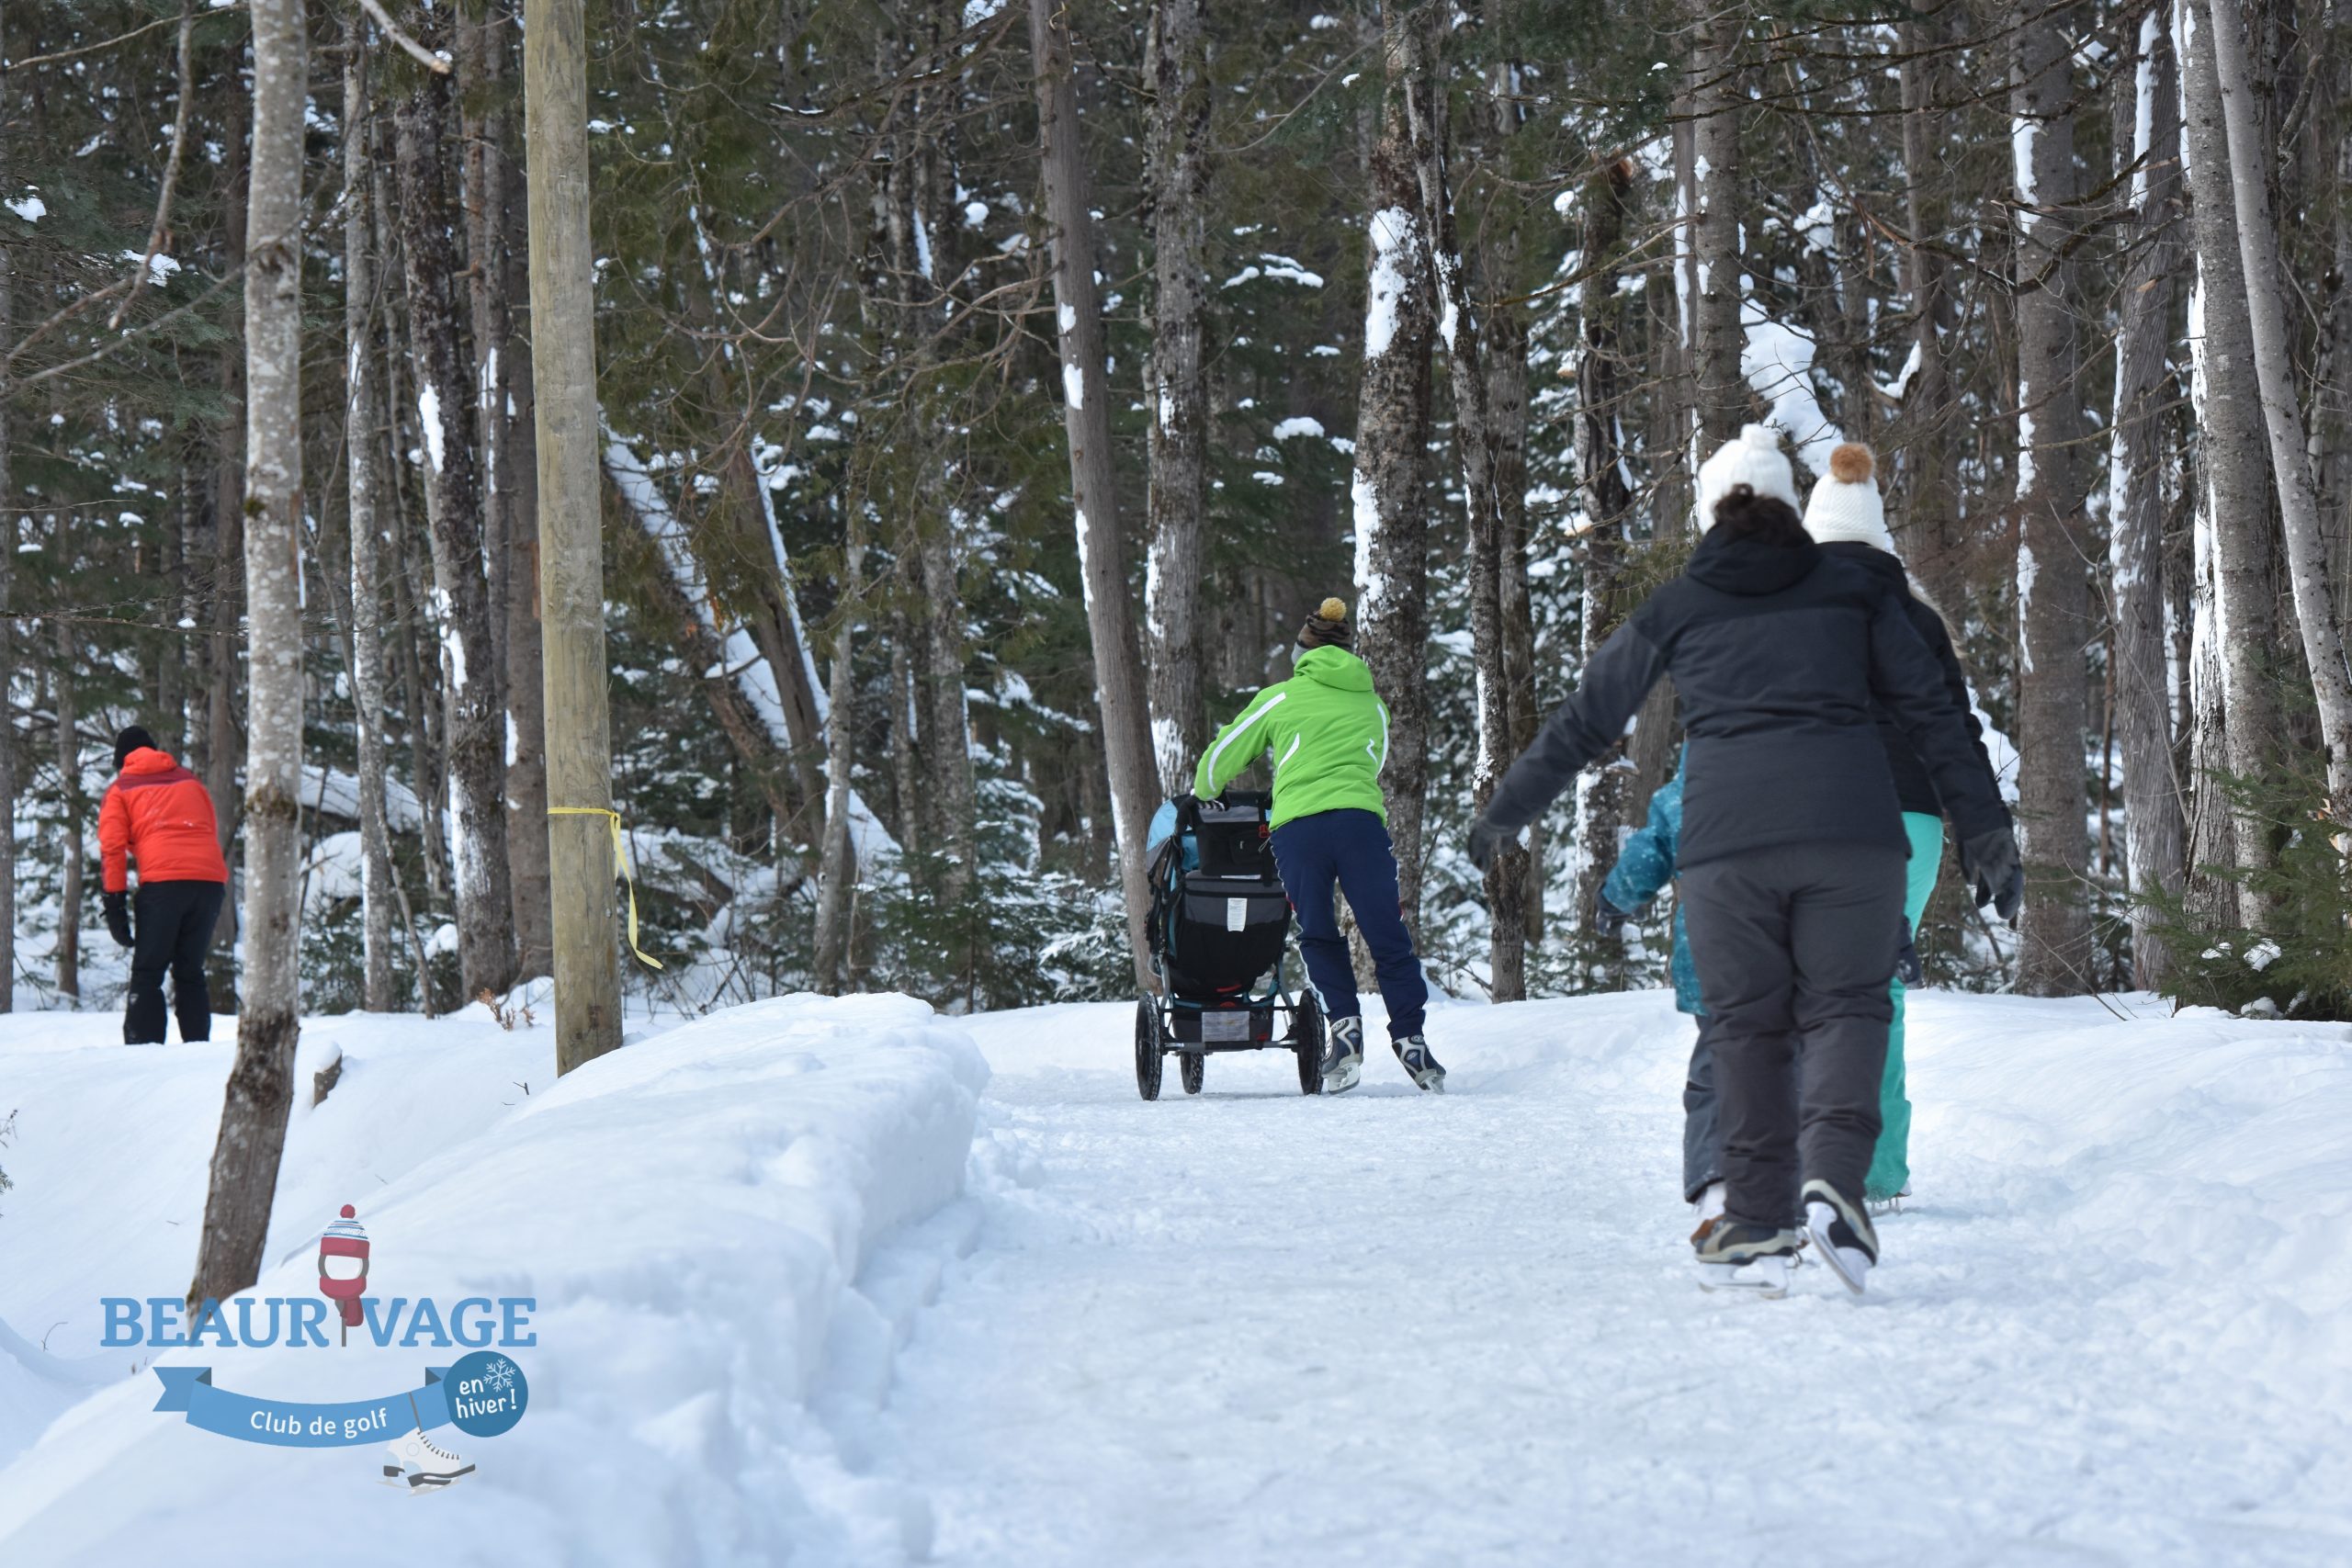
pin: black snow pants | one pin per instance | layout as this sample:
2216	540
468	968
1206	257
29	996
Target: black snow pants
172	929
1795	946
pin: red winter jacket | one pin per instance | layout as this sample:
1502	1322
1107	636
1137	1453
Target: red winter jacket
158	814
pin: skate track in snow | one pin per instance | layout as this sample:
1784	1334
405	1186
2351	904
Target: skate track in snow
1254	1328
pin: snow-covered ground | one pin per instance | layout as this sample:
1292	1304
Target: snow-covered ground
1251	1328
690	1214
1387	1329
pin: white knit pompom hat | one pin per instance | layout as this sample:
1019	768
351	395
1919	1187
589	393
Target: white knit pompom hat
1846	504
1753	459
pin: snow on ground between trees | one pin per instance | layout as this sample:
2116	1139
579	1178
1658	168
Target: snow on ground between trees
691	1214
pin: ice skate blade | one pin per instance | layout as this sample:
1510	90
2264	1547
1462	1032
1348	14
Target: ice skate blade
1432	1082
1344	1079
1767	1279
1852	1268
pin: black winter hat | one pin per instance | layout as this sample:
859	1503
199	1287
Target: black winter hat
129	741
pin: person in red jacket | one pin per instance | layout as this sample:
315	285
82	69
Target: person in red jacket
159	814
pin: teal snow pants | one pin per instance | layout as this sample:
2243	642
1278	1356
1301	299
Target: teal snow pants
1891	1165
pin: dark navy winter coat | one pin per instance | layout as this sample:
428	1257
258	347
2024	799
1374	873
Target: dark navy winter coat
1783	658
1915	787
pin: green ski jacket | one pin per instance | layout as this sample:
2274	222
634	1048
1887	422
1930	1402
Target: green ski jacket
1329	734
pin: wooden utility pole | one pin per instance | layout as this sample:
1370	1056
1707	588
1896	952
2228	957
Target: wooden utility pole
572	562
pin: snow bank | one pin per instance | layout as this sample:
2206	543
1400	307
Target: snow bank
691	1214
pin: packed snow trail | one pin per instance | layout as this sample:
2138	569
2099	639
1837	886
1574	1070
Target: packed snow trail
1392	1328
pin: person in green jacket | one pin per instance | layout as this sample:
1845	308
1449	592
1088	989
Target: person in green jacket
1328	733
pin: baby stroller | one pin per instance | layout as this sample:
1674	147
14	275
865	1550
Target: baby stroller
1220	938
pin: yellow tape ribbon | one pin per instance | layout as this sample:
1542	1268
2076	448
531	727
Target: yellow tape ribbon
620	865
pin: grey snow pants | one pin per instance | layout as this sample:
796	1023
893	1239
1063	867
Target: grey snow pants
1702	1133
1795	947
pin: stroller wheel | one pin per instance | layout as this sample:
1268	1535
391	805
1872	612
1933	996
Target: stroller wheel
1191	1064
1307	1029
1147	1043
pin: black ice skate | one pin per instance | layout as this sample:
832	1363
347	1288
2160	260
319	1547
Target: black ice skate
1843	1233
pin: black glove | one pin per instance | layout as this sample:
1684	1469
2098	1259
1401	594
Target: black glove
1990	861
118	907
1486	841
1907	968
1606	915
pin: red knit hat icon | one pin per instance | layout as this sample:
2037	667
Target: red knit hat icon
345	1239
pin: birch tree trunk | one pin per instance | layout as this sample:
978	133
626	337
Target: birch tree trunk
2229	462
1715	103
2153	822
1387	490
471	713
837	861
1413	38
364	462
260	1091
1176	64
2323	637
1101	543
2054	937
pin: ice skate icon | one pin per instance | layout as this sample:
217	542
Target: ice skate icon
416	1464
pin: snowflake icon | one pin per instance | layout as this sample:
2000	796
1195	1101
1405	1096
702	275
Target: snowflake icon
500	1375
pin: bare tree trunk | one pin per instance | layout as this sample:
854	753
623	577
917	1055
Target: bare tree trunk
2211	829
498	242
1716	101
837	864
1927	519
1176	64
1606	495
526	761
2322	637
1506	365
2055	939
1101	542
1390	522
9	535
1413	38
946	723
260	1091
222	743
902	738
364	458
68	800
2140	668
2229	462
445	405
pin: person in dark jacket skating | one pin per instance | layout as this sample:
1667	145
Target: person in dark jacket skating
159	815
1846	517
1792	845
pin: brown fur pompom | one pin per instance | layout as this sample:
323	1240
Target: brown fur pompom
1851	463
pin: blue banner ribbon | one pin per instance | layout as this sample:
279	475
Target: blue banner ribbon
288	1424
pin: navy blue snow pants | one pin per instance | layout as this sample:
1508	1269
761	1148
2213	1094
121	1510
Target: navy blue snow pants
1350	848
